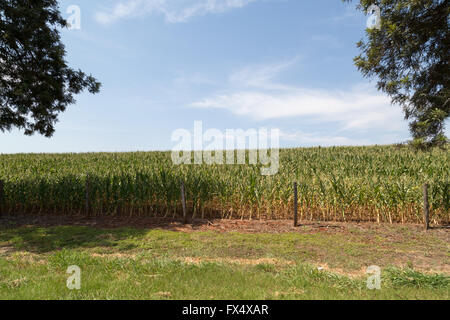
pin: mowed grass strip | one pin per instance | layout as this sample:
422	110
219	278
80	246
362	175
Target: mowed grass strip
121	278
131	263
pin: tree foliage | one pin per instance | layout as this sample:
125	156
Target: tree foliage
36	83
410	57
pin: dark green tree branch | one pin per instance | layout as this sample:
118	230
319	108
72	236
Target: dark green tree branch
410	58
35	82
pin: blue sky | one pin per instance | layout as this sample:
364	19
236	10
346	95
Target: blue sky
285	64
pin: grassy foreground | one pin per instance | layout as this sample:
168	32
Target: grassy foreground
129	263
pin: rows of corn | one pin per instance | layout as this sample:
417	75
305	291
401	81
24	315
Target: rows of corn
379	184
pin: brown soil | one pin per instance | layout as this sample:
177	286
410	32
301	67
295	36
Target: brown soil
242	226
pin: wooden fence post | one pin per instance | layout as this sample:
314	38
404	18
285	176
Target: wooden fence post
87	195
2	196
426	206
295	205
183	203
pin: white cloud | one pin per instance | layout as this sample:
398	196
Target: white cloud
174	11
121	10
315	139
262	76
253	93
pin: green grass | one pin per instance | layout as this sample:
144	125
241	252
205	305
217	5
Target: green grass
132	263
379	183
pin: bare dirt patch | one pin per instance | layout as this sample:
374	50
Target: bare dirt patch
114	256
243	226
6	250
249	262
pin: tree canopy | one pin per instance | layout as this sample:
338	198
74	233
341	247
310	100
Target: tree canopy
36	84
409	55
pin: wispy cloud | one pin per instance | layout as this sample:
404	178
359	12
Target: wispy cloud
174	11
254	93
317	138
262	77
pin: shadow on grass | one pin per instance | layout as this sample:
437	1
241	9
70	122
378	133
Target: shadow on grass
447	227
49	233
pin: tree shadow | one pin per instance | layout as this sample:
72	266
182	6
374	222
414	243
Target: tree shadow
444	227
49	233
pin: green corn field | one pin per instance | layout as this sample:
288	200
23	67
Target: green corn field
378	184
